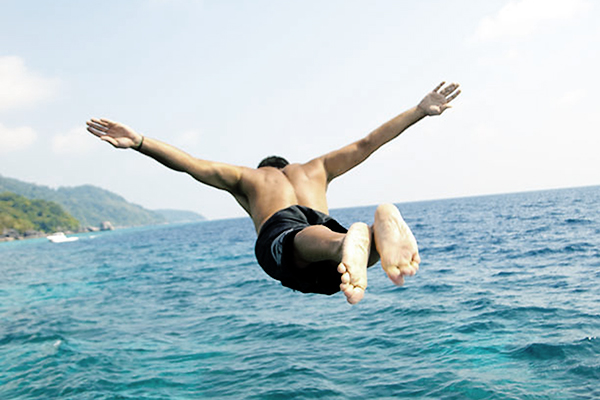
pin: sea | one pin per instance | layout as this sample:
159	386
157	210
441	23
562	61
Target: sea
506	305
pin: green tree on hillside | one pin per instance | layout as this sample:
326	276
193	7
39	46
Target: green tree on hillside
22	214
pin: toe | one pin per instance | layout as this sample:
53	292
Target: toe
396	276
407	270
399	280
415	266
356	295
417	258
353	294
345	278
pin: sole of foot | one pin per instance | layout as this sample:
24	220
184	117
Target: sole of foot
355	255
395	243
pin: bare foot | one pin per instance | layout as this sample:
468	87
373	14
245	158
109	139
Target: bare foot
395	244
355	255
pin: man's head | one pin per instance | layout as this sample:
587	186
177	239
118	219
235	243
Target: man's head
273	161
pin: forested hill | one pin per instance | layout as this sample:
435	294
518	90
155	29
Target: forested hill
24	215
90	205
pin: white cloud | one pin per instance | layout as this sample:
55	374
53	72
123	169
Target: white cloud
499	58
519	18
75	142
20	87
187	139
16	138
572	98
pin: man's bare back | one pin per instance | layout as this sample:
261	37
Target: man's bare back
266	190
296	193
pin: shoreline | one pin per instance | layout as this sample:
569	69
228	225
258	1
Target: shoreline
11	235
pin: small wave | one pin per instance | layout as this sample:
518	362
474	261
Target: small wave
535	230
539	204
539	252
524	313
502	274
417	312
304	393
571	248
284	384
588	347
462	389
449	248
578	221
578	247
155	383
479	326
439	249
540	351
38	337
275	330
437	288
477	304
586	371
377	342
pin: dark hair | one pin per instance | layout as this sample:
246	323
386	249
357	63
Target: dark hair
273	161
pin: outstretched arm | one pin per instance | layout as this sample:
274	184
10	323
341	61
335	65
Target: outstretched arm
341	161
219	175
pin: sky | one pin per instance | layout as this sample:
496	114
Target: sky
235	81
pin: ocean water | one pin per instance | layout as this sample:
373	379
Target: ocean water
506	305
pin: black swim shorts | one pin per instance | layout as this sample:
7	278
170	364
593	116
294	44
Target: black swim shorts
274	251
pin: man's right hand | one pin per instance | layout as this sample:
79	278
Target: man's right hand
119	135
437	101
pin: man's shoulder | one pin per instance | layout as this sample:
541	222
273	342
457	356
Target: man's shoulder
310	171
314	165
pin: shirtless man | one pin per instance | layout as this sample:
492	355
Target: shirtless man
298	243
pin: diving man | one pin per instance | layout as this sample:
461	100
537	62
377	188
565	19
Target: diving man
298	243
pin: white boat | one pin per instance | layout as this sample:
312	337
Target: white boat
60	237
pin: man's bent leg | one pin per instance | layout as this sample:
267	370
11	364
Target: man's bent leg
395	244
317	243
351	250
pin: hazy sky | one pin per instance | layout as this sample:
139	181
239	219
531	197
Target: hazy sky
235	81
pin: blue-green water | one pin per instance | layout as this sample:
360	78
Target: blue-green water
506	306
